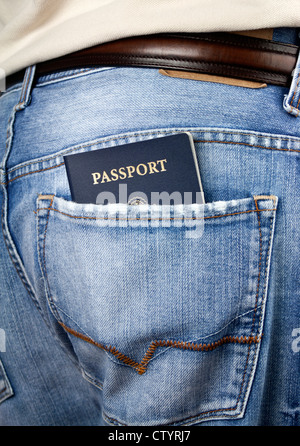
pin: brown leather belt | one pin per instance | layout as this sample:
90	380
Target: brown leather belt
222	54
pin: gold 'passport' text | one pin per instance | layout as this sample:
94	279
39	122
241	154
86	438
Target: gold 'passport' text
129	171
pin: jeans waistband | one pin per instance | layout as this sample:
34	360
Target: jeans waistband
291	102
222	54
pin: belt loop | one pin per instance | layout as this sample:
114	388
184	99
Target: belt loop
291	102
26	88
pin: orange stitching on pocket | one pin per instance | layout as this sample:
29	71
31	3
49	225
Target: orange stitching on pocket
259	262
44	242
246	144
108	349
142	366
149	218
29	173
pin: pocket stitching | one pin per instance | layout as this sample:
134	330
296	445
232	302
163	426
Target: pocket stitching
142	366
84	217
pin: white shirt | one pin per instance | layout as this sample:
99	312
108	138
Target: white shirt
35	30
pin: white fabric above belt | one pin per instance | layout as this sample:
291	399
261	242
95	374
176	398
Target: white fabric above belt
32	31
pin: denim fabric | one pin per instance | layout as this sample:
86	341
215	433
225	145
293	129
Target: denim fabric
111	317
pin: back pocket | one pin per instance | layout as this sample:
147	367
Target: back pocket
164	307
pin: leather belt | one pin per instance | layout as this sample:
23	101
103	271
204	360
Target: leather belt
222	54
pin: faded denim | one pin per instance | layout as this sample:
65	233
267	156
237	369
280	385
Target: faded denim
110	320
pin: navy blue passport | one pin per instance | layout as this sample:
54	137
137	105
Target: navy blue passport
162	170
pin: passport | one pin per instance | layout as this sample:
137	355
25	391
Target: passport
161	170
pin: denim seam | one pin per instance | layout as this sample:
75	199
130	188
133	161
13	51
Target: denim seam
259	263
8	241
191	342
202	141
61	344
158	132
254	317
81	73
264	291
42	258
249	348
16	263
9	244
248	145
260	320
91	379
147	218
141	367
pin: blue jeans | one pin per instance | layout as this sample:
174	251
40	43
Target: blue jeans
126	321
